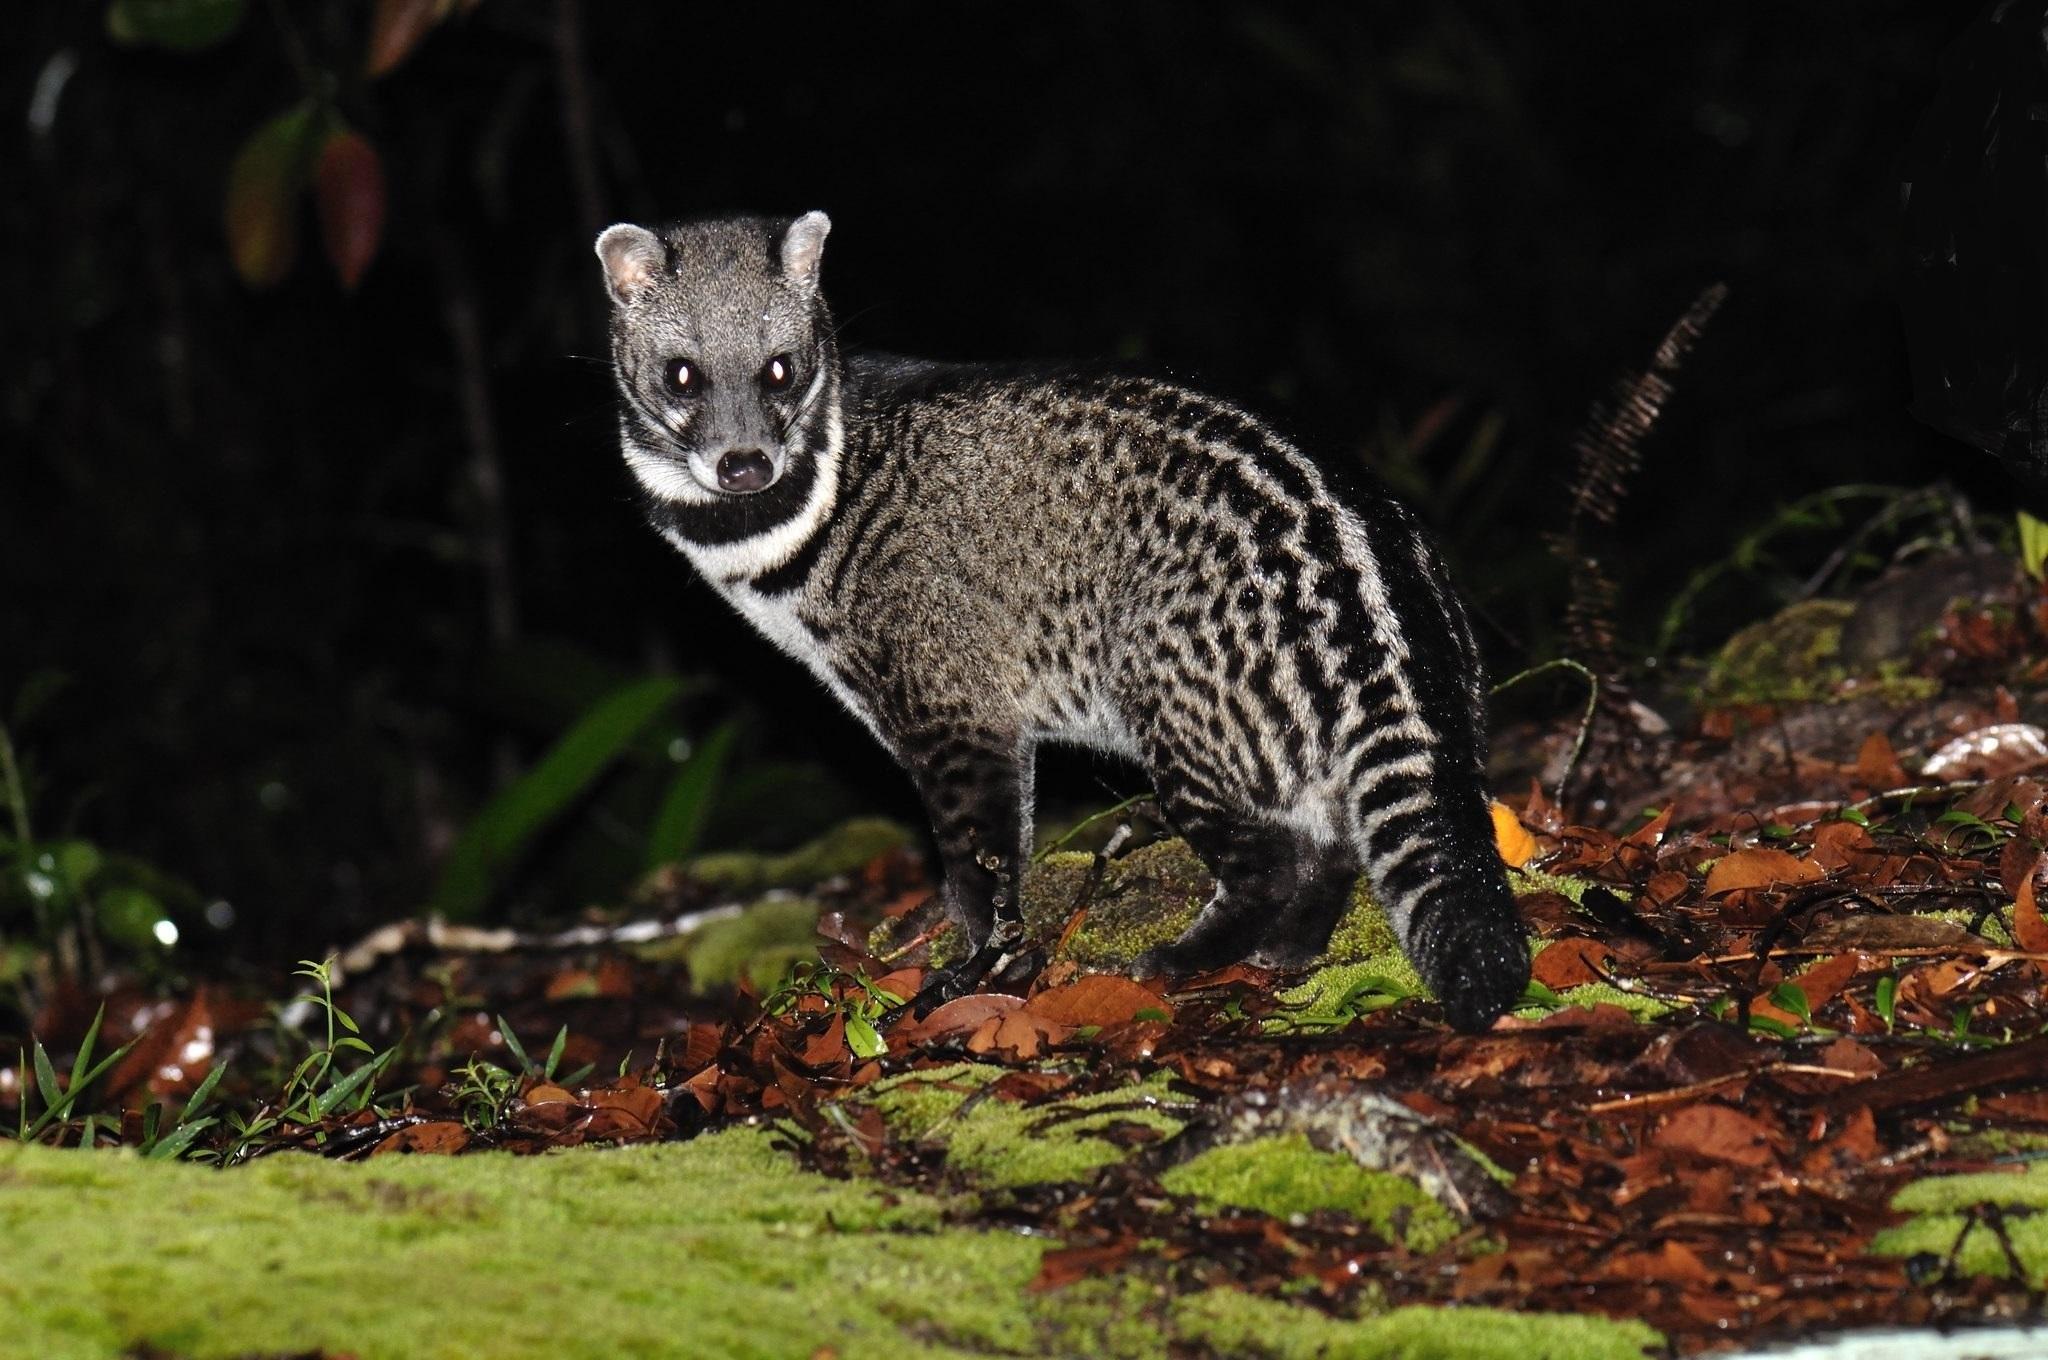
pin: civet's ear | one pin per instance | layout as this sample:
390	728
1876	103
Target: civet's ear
802	245
632	257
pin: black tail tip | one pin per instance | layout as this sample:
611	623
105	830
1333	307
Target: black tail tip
1479	966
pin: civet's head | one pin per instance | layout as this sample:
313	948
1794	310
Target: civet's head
723	351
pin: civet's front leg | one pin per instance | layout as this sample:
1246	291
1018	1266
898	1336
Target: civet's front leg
972	781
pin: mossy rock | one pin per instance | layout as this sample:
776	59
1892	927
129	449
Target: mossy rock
1148	898
1791	657
842	850
1000	1144
1286	1176
762	941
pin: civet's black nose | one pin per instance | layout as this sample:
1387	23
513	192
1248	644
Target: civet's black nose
744	470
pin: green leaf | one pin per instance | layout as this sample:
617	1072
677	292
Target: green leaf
78	861
501	832
863	1038
1787	996
1773	1026
201	1093
173	1144
180	25
47	1084
264	183
555	1053
1886	999
332	1098
2033	545
128	916
680	822
513	1045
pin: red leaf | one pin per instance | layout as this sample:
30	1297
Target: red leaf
262	199
348	190
396	29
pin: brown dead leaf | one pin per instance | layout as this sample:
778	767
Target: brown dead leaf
1759	868
1834	842
1650	833
826	1047
1877	765
439	1136
547	1093
962	1016
1666	886
1846	1055
1019	1033
2017	862
2029	1107
1671	1263
1716	1132
1820	982
1884	932
2029	931
1102	999
1938	979
1569	963
630	1096
1065	1265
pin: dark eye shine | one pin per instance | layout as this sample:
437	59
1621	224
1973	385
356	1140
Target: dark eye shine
777	372
683	377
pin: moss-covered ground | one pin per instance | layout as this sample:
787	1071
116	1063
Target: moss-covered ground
1966	1215
717	1247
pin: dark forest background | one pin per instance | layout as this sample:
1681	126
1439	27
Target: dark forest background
293	580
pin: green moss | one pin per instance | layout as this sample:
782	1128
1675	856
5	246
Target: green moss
1364	933
1895	685
1591	994
1524	881
841	850
1990	928
1342	992
1233	1323
1000	1144
681	1250
1146	898
1285	1176
720	1246
1121	1317
764	941
1941	1204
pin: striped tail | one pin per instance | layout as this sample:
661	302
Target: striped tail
1421	827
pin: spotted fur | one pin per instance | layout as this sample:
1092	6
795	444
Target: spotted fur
979	559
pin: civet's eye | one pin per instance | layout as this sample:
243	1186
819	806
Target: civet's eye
777	372
683	376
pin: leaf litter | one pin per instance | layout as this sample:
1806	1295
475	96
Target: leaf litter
1849	996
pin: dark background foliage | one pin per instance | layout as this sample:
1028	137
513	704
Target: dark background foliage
322	568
